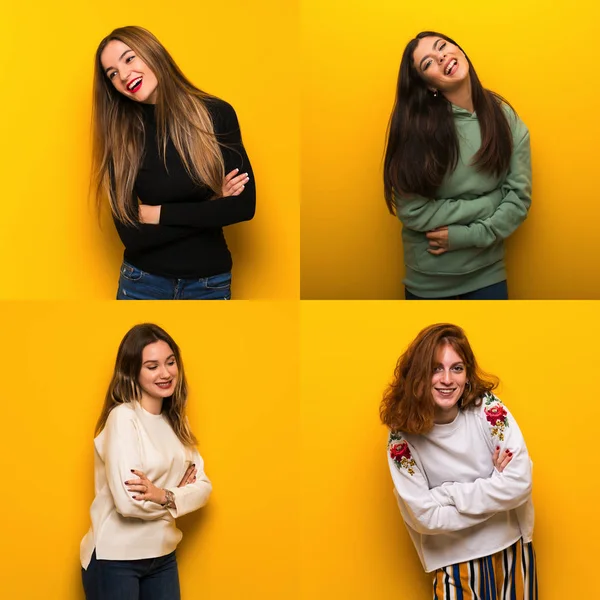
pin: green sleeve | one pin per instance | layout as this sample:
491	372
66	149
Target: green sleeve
424	214
512	211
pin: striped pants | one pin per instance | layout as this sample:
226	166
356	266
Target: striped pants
507	575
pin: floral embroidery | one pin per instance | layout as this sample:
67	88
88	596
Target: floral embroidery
496	415
400	453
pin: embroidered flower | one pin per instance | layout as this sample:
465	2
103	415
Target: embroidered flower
496	415
400	453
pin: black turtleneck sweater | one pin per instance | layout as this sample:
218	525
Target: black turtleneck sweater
188	242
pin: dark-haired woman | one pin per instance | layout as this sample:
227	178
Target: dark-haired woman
162	148
457	173
461	472
147	473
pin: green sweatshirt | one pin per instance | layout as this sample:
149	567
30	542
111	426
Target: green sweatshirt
480	210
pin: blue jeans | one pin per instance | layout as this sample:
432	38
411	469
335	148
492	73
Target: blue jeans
497	291
145	579
135	284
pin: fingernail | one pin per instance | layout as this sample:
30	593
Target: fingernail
193	464
132	470
497	447
236	170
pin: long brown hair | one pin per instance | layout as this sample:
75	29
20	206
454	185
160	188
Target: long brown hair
422	144
407	404
181	115
124	386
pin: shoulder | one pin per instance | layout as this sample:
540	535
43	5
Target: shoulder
495	414
516	124
399	452
121	414
221	111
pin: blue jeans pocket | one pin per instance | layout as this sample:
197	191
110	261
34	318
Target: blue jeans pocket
131	273
219	282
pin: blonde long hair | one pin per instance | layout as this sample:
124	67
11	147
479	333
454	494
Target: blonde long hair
181	114
124	386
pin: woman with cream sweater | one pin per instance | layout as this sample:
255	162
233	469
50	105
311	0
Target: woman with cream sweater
147	473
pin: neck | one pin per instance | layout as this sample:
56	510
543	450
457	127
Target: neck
152	405
462	96
443	417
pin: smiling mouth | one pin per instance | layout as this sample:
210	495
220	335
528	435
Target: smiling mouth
135	85
445	391
450	67
165	385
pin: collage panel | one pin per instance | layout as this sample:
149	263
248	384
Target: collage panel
357	540
241	367
53	242
353	135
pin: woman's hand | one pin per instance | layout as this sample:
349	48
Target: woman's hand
149	215
438	240
189	477
233	184
145	489
501	459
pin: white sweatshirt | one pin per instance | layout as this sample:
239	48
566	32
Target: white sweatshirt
124	528
455	504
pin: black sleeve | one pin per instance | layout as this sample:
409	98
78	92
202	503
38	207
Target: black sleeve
221	211
145	237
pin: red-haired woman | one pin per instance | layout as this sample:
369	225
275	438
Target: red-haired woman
457	174
461	471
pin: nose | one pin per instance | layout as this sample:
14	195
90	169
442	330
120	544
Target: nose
446	377
164	372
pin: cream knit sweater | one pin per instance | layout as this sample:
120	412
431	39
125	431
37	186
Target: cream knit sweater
127	529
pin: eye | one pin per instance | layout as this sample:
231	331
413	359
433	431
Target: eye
437	369
112	74
151	368
426	65
459	368
129	59
171	363
442	46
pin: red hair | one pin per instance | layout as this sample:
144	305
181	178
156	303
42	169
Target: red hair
407	404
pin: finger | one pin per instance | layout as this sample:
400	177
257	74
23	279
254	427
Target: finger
432	235
140	474
137	488
243	178
134	482
231	174
436	252
495	455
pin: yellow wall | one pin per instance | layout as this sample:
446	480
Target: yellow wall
355	545
242	364
50	242
538	56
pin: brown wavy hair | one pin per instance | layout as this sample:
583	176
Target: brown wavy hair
124	386
408	404
422	144
118	139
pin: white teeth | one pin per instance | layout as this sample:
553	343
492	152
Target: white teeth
450	66
134	83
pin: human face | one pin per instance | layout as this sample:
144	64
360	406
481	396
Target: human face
447	384
159	373
128	73
442	65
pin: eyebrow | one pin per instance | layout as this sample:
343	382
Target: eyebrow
427	55
155	361
120	59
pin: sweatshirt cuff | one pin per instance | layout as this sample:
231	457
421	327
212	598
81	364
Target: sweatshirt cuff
458	237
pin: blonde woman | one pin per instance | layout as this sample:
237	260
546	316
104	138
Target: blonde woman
162	148
147	473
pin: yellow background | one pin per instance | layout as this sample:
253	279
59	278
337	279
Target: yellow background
50	242
242	364
355	545
539	57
